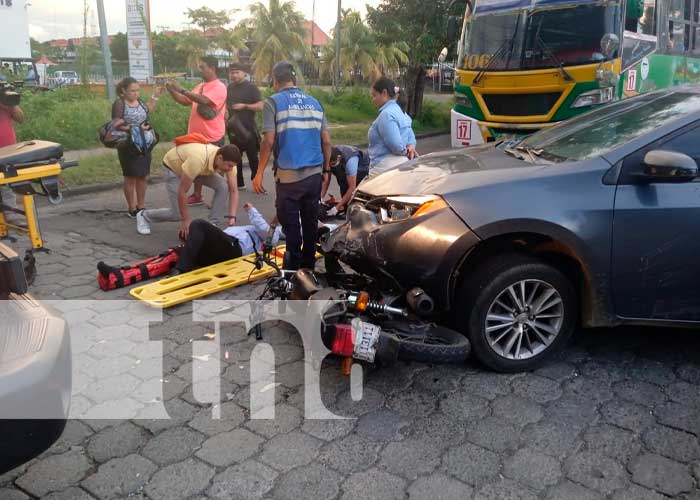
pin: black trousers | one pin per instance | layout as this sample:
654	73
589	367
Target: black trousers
295	201
339	174
252	151
207	245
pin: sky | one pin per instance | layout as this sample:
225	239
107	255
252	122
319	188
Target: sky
49	19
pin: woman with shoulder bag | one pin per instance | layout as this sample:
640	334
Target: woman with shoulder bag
136	167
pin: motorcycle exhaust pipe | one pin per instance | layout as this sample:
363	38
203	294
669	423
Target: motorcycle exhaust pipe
420	302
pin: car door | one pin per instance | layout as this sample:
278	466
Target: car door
656	239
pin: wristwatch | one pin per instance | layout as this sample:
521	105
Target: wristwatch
230	217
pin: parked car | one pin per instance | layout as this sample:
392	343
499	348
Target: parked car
592	222
61	78
35	369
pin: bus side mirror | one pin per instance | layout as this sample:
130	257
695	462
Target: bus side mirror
609	44
452	27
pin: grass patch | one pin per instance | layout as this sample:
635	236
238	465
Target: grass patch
105	168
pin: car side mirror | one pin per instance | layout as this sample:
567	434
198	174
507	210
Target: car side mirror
669	167
452	27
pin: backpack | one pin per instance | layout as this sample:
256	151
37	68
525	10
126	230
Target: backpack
143	141
111	137
193	138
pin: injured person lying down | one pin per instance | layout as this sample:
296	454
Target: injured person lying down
207	245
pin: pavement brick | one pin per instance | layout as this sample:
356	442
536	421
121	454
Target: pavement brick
329	430
654	372
371	400
180	481
572	491
595	392
413	403
159	389
596	472
411	458
247	481
516	410
7	494
73	435
486	384
382	425
440	380
232	416
173	445
661	474
673	444
314	482
639	392
558	371
493	434
569	411
612	442
505	490
120	477
538	389
69	494
439	428
465	406
373	485
276	451
551	438
350	454
230	448
689	373
634	492
390	381
471	464
117	442
287	418
112	389
676	415
532	468
55	473
425	488
179	412
684	393
627	415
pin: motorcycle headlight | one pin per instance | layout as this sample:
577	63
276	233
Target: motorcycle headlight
594	98
401	208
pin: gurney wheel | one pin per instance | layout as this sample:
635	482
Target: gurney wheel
56	200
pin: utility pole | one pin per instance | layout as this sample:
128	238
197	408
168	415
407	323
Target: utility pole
106	52
337	45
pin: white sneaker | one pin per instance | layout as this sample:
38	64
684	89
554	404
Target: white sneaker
142	225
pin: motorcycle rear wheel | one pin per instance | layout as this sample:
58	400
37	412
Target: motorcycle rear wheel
427	342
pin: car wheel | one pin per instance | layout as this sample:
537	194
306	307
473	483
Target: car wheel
519	312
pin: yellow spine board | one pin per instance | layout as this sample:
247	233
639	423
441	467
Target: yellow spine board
203	282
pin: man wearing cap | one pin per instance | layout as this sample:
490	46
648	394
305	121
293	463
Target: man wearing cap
202	162
295	129
349	165
242	102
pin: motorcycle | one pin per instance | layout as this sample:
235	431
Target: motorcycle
362	322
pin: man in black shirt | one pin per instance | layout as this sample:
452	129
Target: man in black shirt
243	101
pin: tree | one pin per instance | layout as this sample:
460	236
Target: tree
233	40
391	58
38	48
423	29
191	46
279	33
165	54
119	47
206	18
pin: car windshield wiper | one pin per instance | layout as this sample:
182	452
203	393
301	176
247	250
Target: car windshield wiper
534	154
515	153
503	51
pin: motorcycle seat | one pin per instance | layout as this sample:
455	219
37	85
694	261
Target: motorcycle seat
29	153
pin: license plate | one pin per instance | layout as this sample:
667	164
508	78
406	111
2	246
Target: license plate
366	339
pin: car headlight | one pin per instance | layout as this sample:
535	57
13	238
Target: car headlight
594	98
401	208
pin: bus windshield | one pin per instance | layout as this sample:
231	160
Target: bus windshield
543	38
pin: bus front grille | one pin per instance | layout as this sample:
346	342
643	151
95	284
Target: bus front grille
521	104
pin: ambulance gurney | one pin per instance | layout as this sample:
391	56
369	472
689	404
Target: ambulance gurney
111	278
30	168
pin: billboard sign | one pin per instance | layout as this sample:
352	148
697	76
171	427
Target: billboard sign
140	48
14	26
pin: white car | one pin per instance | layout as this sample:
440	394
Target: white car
61	78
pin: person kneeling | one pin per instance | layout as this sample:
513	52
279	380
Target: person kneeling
207	245
183	164
349	165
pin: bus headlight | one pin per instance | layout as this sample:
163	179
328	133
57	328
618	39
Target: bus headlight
462	100
594	97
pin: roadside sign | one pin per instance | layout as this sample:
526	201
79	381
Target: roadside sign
140	52
631	80
464	130
14	26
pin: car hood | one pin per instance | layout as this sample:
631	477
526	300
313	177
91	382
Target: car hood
447	172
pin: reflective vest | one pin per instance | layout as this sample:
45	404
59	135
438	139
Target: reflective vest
298	123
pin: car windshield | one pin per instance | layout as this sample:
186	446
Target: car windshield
600	131
544	38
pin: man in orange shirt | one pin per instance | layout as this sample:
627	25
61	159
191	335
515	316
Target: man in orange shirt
208	103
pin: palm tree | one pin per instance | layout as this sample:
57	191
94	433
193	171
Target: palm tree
192	46
390	58
232	41
357	48
279	33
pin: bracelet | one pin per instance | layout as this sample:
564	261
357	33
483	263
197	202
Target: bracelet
230	217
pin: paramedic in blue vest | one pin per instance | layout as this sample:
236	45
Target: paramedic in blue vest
296	131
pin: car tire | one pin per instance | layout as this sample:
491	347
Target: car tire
427	342
481	310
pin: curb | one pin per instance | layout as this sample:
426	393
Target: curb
152	181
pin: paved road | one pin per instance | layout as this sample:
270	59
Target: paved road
616	416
